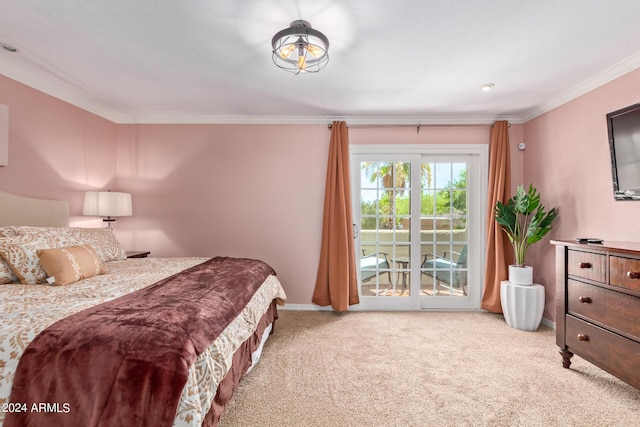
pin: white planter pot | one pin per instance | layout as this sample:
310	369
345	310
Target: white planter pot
521	275
522	306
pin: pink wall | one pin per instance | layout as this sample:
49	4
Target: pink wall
257	190
232	190
244	190
567	159
427	134
56	150
198	190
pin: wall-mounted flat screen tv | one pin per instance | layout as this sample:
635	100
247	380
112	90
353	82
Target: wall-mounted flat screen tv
624	142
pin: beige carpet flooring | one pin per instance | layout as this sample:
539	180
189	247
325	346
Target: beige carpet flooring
422	369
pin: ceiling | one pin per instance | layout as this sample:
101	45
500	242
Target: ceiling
402	61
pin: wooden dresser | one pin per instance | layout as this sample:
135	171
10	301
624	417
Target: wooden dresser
598	305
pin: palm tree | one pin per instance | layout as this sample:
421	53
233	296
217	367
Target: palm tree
394	175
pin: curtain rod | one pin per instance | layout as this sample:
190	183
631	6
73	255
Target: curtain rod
418	126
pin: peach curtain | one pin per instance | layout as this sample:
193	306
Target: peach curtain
336	283
499	251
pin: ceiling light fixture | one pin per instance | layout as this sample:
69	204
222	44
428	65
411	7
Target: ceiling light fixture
487	87
300	48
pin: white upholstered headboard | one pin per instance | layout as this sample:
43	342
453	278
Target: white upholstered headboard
18	210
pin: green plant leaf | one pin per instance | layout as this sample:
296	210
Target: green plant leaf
505	216
524	219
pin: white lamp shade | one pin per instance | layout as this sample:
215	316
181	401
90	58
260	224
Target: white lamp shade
107	203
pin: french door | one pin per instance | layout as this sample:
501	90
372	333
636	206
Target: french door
419	219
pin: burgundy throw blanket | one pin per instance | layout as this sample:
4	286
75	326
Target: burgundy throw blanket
125	362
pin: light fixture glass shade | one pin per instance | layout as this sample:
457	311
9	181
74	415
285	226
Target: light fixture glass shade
107	203
300	48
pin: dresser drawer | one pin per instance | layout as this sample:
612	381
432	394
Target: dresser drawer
624	272
587	265
618	355
616	310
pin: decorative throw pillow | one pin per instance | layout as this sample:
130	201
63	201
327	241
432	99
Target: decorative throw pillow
68	265
19	252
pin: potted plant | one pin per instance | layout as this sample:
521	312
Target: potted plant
525	221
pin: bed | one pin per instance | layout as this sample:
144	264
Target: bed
56	342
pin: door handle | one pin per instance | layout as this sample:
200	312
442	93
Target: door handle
355	230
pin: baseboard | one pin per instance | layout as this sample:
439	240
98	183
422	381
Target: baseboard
313	307
304	307
549	323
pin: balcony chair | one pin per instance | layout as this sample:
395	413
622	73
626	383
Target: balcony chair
446	271
368	265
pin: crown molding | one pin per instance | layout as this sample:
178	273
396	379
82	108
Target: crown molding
76	99
55	90
308	120
618	70
59	91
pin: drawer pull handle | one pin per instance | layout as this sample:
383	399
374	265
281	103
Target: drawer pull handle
585	265
583	337
633	275
585	300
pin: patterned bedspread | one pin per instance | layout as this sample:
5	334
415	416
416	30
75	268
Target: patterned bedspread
26	310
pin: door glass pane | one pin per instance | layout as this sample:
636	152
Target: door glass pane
444	235
417	212
402	265
385	204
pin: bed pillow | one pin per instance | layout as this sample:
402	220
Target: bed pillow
65	266
103	240
6	274
19	252
8	231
